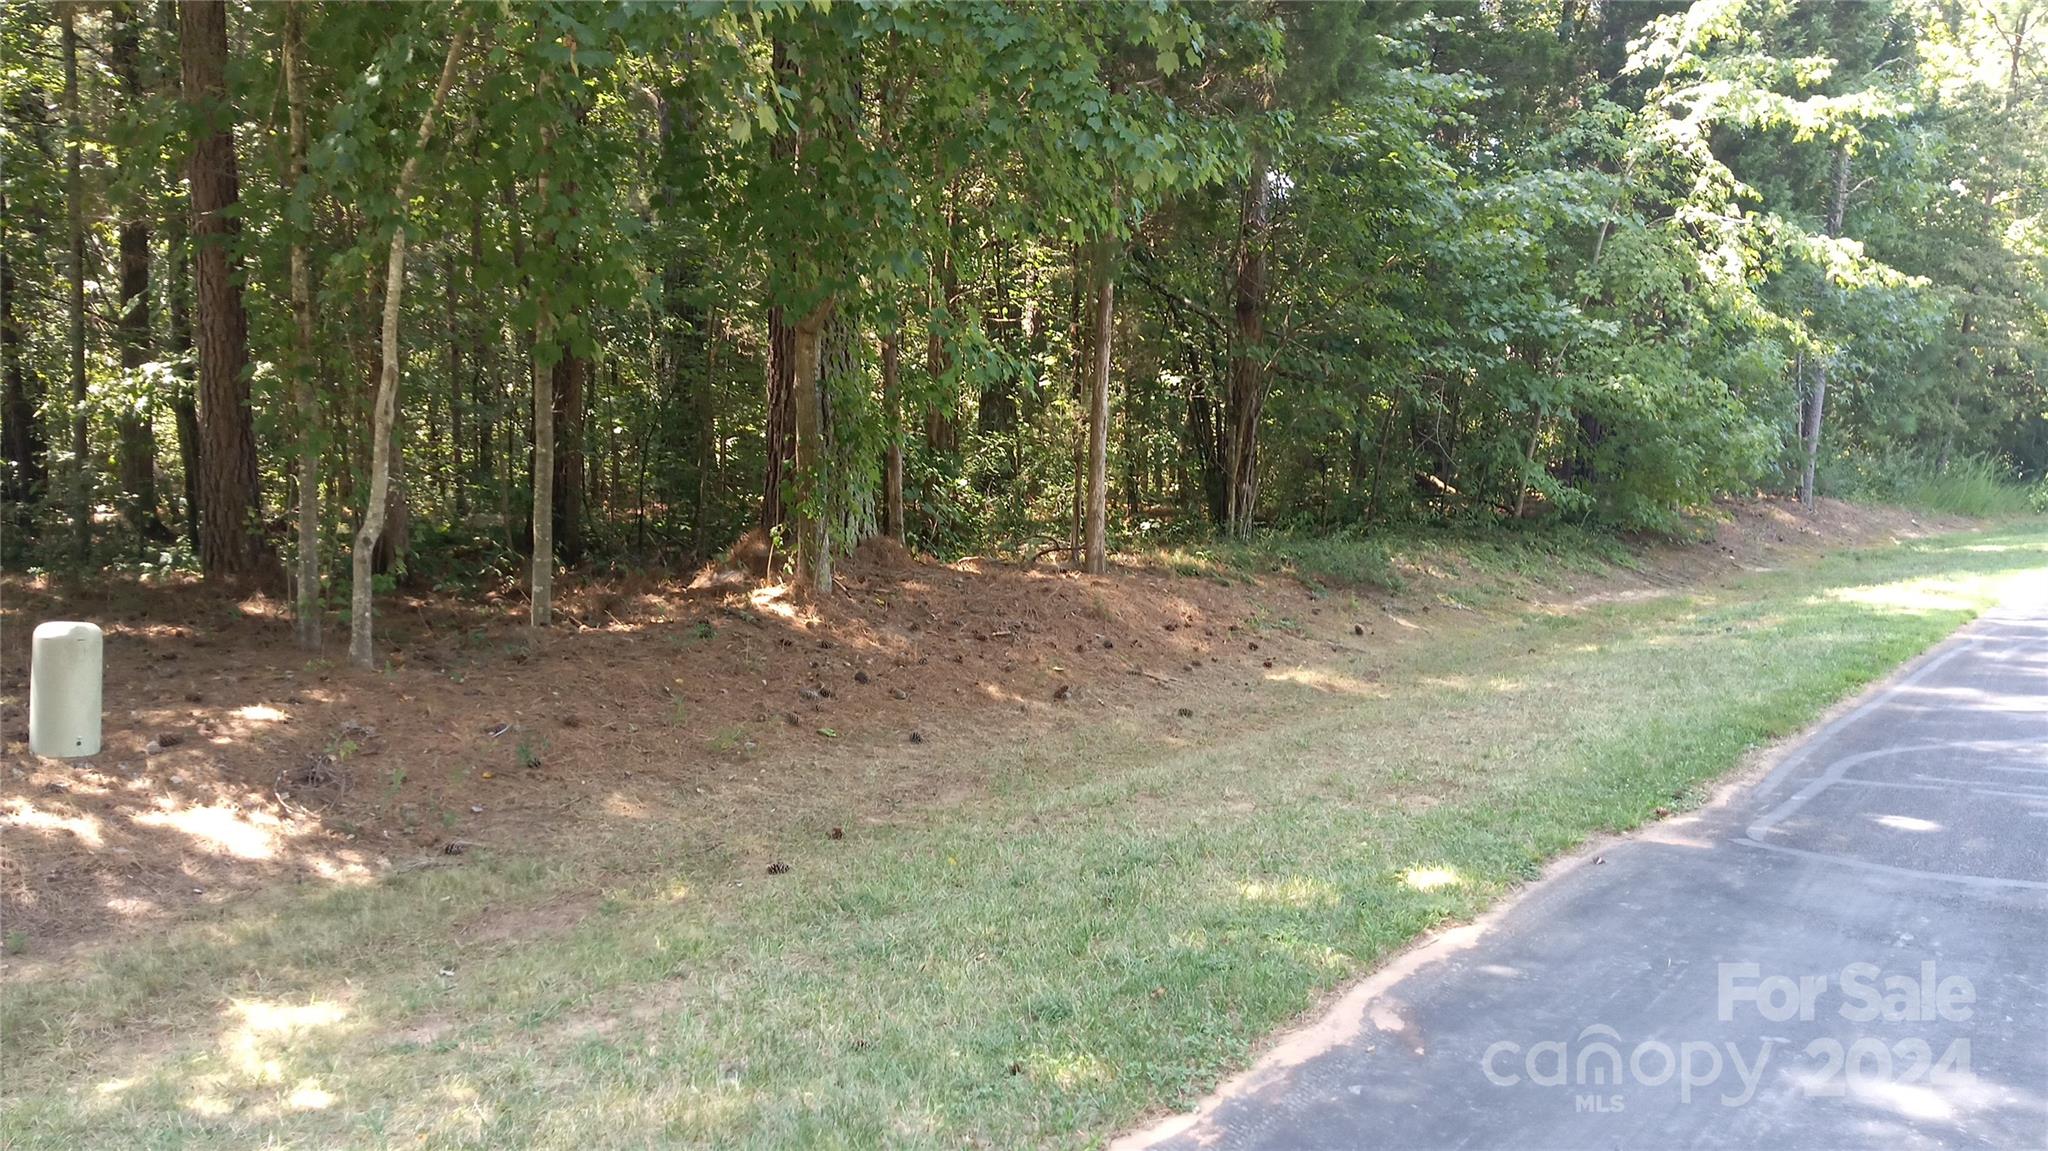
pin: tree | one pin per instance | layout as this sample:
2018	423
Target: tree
136	449
892	412
74	198
1246	400
545	349
229	495
20	424
300	364
1816	399
1371	264
809	521
361	650
1096	543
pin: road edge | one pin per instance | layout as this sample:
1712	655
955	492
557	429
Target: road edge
1341	1013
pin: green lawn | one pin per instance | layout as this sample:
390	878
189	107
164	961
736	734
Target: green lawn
1113	926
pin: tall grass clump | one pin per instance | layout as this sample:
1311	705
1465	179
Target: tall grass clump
1968	485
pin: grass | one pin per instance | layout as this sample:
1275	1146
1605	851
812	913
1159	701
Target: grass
1115	925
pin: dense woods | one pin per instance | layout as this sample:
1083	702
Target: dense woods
330	295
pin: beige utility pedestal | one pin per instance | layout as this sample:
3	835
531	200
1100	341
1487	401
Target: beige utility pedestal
64	691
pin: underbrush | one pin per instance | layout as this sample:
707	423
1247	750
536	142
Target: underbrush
1389	559
1979	486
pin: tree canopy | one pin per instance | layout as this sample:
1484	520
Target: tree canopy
640	278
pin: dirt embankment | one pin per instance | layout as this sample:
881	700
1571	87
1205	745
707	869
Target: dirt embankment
232	760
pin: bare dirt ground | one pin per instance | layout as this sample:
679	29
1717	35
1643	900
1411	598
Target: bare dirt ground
233	761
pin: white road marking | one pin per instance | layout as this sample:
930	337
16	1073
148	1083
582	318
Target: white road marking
1908	872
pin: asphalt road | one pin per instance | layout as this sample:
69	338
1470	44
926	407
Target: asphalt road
1851	953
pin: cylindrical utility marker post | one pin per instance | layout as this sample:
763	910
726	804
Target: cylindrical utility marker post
64	691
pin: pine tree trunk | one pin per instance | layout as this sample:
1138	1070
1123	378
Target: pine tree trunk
74	196
361	648
229	495
1096	543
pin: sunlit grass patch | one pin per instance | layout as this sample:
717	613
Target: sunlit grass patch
1431	878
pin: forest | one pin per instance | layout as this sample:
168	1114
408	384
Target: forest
335	297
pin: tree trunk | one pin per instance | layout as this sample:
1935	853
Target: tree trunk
839	371
1816	401
361	651
394	545
306	613
808	510
781	427
22	474
707	439
229	494
183	404
1528	462
484	362
995	414
1205	430
941	431
1248	369
74	197
1379	460
137	446
451	293
892	415
540	610
782	373
605	472
1097	531
571	372
892	356
1078	440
